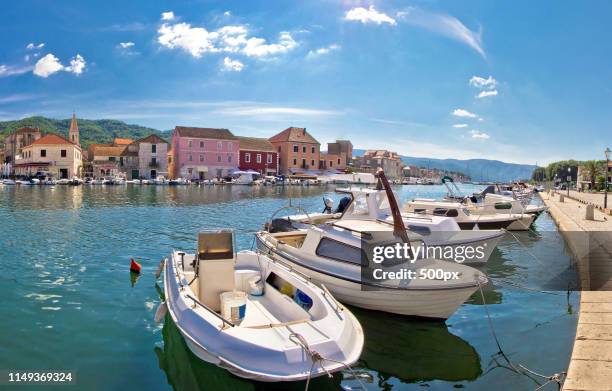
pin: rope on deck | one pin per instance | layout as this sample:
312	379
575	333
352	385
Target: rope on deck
317	358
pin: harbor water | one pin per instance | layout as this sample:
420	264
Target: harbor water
69	302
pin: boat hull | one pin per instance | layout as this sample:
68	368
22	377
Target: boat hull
425	303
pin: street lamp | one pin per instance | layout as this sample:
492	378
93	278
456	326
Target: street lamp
607	152
569	179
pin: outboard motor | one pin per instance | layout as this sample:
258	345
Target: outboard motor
329	204
343	204
280	225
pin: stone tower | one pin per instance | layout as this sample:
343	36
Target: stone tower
73	133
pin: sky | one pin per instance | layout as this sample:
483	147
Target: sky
517	81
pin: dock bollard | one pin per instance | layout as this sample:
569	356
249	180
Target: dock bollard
589	213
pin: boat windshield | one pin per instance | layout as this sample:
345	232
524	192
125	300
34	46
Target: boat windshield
359	206
383	204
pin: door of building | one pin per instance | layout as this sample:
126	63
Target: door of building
135	174
153	174
63	173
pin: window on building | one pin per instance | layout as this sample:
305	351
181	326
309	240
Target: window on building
304	149
63	153
153	161
112	158
190	158
279	149
190	171
230	147
338	161
296	148
219	145
303	163
295	162
247	157
331	164
312	163
201	157
190	143
229	158
218	158
43	153
153	148
259	158
312	149
169	159
269	158
201	144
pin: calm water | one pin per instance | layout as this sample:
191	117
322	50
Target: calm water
68	301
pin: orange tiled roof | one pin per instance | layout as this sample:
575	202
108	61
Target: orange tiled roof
51	139
296	135
255	144
104	150
122	141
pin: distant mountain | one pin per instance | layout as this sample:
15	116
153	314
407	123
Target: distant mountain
91	131
477	169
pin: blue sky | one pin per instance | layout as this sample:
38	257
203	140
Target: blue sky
517	81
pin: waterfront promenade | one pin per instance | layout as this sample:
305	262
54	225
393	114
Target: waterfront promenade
589	240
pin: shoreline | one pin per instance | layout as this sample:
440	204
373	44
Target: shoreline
590	365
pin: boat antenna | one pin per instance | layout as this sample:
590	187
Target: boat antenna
399	229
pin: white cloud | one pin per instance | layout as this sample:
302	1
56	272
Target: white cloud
263	111
484	94
8	70
479	135
126	45
194	40
33	46
369	15
230	39
257	47
445	25
77	65
232	65
322	51
463	113
460	125
227	13
168	15
480	82
49	65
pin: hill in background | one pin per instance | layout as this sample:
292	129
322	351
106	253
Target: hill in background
477	169
91	131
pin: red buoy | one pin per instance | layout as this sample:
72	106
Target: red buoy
134	266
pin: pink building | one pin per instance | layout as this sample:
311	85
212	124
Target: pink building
202	153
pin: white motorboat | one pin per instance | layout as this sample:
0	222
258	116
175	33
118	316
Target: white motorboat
8	182
493	203
63	181
337	256
470	217
256	317
360	205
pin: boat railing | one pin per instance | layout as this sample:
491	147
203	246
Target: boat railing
326	293
207	308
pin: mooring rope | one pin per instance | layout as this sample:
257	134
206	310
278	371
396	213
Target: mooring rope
521	369
317	358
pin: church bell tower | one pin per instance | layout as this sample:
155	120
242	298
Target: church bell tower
73	134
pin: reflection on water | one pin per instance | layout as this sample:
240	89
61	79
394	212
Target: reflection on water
415	350
70	302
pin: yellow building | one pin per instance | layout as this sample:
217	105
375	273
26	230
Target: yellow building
52	155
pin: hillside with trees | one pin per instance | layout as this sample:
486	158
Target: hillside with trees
91	131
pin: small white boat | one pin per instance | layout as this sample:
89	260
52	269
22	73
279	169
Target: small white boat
255	317
8	182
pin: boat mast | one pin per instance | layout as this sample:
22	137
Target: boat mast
399	229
